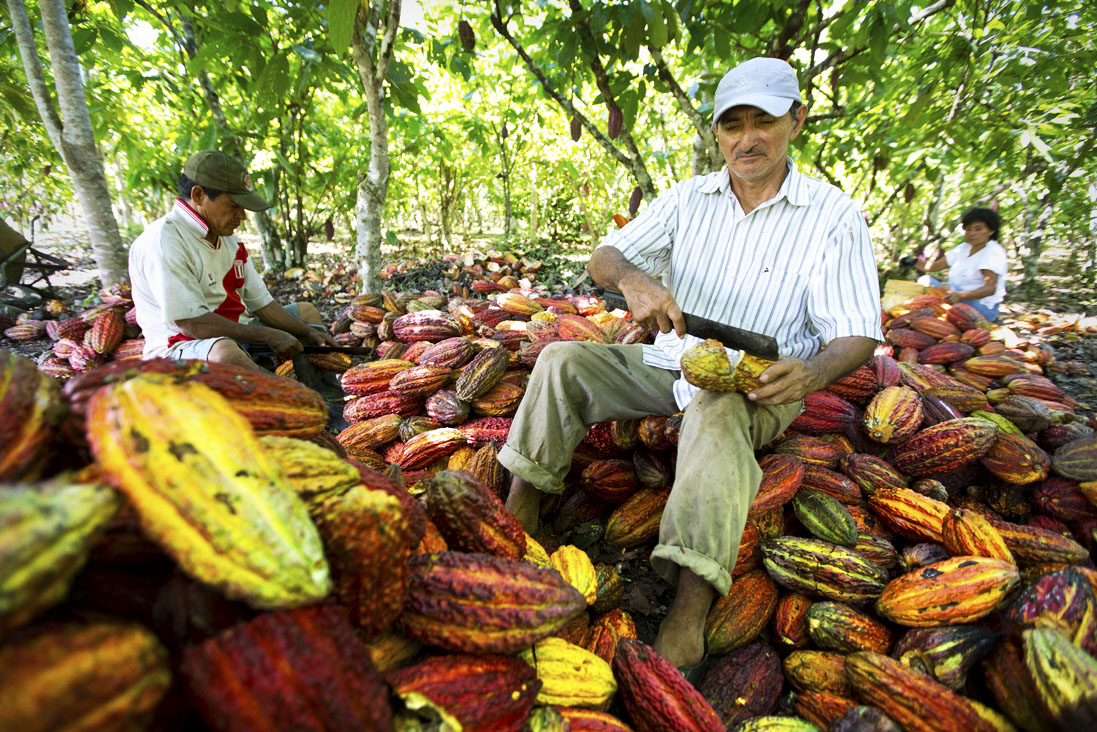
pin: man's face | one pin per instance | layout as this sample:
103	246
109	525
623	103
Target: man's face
754	143
222	213
977	233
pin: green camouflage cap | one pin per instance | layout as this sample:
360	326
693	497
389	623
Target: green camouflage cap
220	172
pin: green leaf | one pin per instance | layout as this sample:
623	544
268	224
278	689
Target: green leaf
657	30
274	81
306	54
340	15
121	8
83	38
632	36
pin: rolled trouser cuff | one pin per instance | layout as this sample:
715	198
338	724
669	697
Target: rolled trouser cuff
667	560
529	471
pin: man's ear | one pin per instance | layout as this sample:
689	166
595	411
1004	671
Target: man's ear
798	122
198	195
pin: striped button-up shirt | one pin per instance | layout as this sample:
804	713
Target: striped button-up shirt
799	267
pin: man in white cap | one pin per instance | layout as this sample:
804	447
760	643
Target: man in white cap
758	245
192	278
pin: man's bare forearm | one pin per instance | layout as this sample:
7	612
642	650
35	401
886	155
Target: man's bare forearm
276	316
211	325
841	356
651	303
609	269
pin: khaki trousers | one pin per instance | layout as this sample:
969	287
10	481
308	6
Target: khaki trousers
716	477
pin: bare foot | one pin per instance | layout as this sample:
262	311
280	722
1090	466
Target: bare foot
681	636
524	501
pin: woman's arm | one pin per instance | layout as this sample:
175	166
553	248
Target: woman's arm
990	284
936	266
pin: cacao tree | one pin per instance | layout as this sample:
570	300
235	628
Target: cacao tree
69	128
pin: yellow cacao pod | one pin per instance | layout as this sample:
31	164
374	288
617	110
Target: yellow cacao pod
206	491
570	676
312	470
46	532
707	365
575	567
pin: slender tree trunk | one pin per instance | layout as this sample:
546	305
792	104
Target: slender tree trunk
70	131
372	55
1091	272
534	209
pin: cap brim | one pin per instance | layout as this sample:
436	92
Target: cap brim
250	201
769	104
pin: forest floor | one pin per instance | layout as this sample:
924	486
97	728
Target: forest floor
328	282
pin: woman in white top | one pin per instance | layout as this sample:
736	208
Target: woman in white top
977	268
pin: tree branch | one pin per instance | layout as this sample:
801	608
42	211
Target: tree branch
780	47
499	24
887	203
388	39
684	102
932	10
601	79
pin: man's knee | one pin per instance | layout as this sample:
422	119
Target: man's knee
228	351
309	313
718	404
556	357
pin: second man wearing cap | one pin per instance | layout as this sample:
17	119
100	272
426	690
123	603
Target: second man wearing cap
192	279
757	245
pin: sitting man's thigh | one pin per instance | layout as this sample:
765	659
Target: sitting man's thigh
198	350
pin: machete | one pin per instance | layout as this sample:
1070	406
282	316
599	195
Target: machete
756	344
349	350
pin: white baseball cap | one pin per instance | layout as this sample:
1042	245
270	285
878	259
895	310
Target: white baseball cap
767	83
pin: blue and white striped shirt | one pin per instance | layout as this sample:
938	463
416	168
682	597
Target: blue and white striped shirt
799	267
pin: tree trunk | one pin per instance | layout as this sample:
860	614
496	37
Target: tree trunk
1031	244
374	185
71	131
1091	272
269	240
534	209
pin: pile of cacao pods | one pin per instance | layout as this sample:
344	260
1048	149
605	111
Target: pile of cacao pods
106	332
915	559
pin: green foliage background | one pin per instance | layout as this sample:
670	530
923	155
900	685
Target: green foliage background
917	111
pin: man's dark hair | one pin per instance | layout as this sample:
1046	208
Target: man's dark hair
987	216
186	185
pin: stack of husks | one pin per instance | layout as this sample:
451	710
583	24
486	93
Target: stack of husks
918	555
81	342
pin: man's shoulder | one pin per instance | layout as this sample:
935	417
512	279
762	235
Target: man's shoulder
151	237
